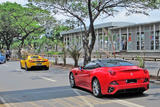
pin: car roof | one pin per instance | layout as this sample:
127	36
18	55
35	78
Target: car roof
108	59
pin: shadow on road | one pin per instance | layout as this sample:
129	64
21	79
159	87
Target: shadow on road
39	94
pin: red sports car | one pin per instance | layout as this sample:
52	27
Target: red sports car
110	76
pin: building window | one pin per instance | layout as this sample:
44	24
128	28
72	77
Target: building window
124	41
157	40
152	41
138	41
142	40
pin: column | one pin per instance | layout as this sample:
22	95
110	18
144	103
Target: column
140	37
120	39
154	33
127	38
66	40
97	40
103	40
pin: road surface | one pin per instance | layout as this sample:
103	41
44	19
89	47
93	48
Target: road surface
39	88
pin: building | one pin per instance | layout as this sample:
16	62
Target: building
121	37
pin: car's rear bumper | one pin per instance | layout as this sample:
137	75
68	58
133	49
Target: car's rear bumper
137	87
2	60
43	64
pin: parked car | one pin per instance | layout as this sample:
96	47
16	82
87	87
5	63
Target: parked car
34	61
110	76
2	58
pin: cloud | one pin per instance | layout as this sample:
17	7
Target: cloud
154	15
23	2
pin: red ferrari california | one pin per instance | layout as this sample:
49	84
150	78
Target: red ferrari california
110	76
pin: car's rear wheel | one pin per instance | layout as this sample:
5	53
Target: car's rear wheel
140	92
46	68
71	80
96	88
26	68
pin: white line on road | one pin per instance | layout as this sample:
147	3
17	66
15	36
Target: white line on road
19	70
83	99
127	103
122	102
48	79
4	102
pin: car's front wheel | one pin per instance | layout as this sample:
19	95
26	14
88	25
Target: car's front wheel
71	80
96	88
21	65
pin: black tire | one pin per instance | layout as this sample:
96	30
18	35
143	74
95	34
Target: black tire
96	88
71	80
21	65
26	68
46	68
5	61
140	92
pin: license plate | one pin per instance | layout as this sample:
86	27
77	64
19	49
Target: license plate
39	64
131	81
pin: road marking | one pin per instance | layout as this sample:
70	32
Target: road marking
19	70
4	102
95	101
83	98
122	102
127	103
64	103
21	103
76	101
48	79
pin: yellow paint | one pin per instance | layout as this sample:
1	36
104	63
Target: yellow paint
28	61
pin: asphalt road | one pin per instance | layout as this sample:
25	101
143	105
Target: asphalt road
39	88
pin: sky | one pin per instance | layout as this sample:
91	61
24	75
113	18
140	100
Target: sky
134	18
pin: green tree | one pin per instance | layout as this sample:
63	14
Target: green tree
94	9
8	30
18	22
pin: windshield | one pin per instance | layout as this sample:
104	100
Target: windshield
35	57
114	63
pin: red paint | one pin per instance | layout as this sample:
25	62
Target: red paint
108	75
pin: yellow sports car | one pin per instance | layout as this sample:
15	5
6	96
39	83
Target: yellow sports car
34	61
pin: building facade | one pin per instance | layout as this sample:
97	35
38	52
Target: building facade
120	37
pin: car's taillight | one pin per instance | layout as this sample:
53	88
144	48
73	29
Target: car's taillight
112	73
113	83
145	71
46	60
31	61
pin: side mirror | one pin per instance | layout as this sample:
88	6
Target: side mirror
81	68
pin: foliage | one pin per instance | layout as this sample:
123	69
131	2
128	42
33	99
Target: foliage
141	62
92	10
19	23
75	53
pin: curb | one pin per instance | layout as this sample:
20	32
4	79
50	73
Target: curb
3	102
154	81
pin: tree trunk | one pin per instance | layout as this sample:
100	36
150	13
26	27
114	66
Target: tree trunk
56	56
20	48
89	47
64	59
19	53
75	63
8	46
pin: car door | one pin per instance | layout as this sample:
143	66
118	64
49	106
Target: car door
84	74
